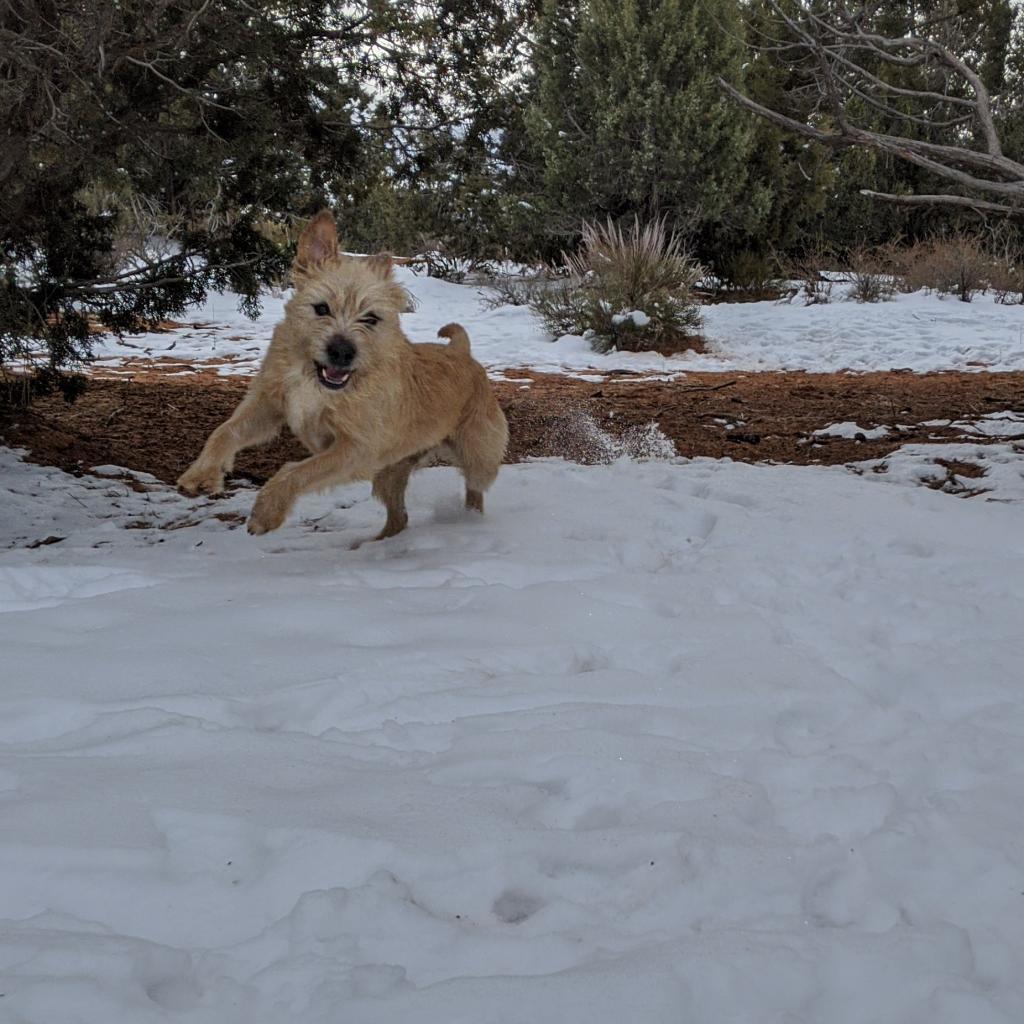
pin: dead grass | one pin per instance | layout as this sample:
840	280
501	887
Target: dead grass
814	287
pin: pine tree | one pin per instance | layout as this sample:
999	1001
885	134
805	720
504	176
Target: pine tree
800	178
219	119
627	118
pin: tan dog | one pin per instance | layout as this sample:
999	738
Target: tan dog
360	396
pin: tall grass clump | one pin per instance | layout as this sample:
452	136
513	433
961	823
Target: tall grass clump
627	289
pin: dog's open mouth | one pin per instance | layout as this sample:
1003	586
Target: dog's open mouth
333	378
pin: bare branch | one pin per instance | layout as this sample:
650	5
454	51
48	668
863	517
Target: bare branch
833	53
834	140
150	66
928	47
943	199
895	90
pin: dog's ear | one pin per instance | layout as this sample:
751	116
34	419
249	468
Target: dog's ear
381	264
318	243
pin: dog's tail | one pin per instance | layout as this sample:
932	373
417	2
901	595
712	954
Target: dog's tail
458	339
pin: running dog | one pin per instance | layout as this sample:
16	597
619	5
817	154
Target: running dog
365	401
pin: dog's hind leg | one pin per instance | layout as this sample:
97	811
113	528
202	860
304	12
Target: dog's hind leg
389	489
479	446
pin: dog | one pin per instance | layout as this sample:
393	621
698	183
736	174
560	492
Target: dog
363	399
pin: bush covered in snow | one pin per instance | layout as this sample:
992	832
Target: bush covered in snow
627	289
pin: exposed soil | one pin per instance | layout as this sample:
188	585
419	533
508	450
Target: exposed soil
155	417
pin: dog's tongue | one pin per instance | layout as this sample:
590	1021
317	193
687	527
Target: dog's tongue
334	375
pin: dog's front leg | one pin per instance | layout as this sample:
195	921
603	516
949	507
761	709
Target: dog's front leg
338	465
257	419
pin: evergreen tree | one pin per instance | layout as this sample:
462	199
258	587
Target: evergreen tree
446	179
799	178
219	119
627	118
1010	111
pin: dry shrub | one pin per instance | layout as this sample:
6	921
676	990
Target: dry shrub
143	228
1007	283
956	264
813	286
872	274
445	266
509	291
441	260
1006	274
282	230
627	289
525	289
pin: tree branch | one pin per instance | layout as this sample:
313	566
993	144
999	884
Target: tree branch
943	199
831	48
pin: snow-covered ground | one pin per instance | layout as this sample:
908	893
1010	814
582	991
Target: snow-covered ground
657	743
920	332
653	742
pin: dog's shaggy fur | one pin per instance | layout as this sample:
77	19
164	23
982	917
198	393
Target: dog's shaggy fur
360	396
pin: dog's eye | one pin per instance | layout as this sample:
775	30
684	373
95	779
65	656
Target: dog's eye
322	309
371	319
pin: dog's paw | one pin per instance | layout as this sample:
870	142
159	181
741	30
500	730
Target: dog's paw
269	512
201	479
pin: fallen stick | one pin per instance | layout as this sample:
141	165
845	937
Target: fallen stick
710	387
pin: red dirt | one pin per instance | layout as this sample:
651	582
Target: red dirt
148	420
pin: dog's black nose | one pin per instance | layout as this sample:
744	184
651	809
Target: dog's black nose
341	352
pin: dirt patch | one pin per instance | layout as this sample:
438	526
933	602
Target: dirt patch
958	473
958	467
156	420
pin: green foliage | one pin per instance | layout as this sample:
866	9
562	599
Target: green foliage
1010	111
207	115
627	118
148	144
629	290
797	178
154	149
749	271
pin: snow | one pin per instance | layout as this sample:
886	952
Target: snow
922	332
937	465
850	430
637	317
653	741
994	424
656	740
